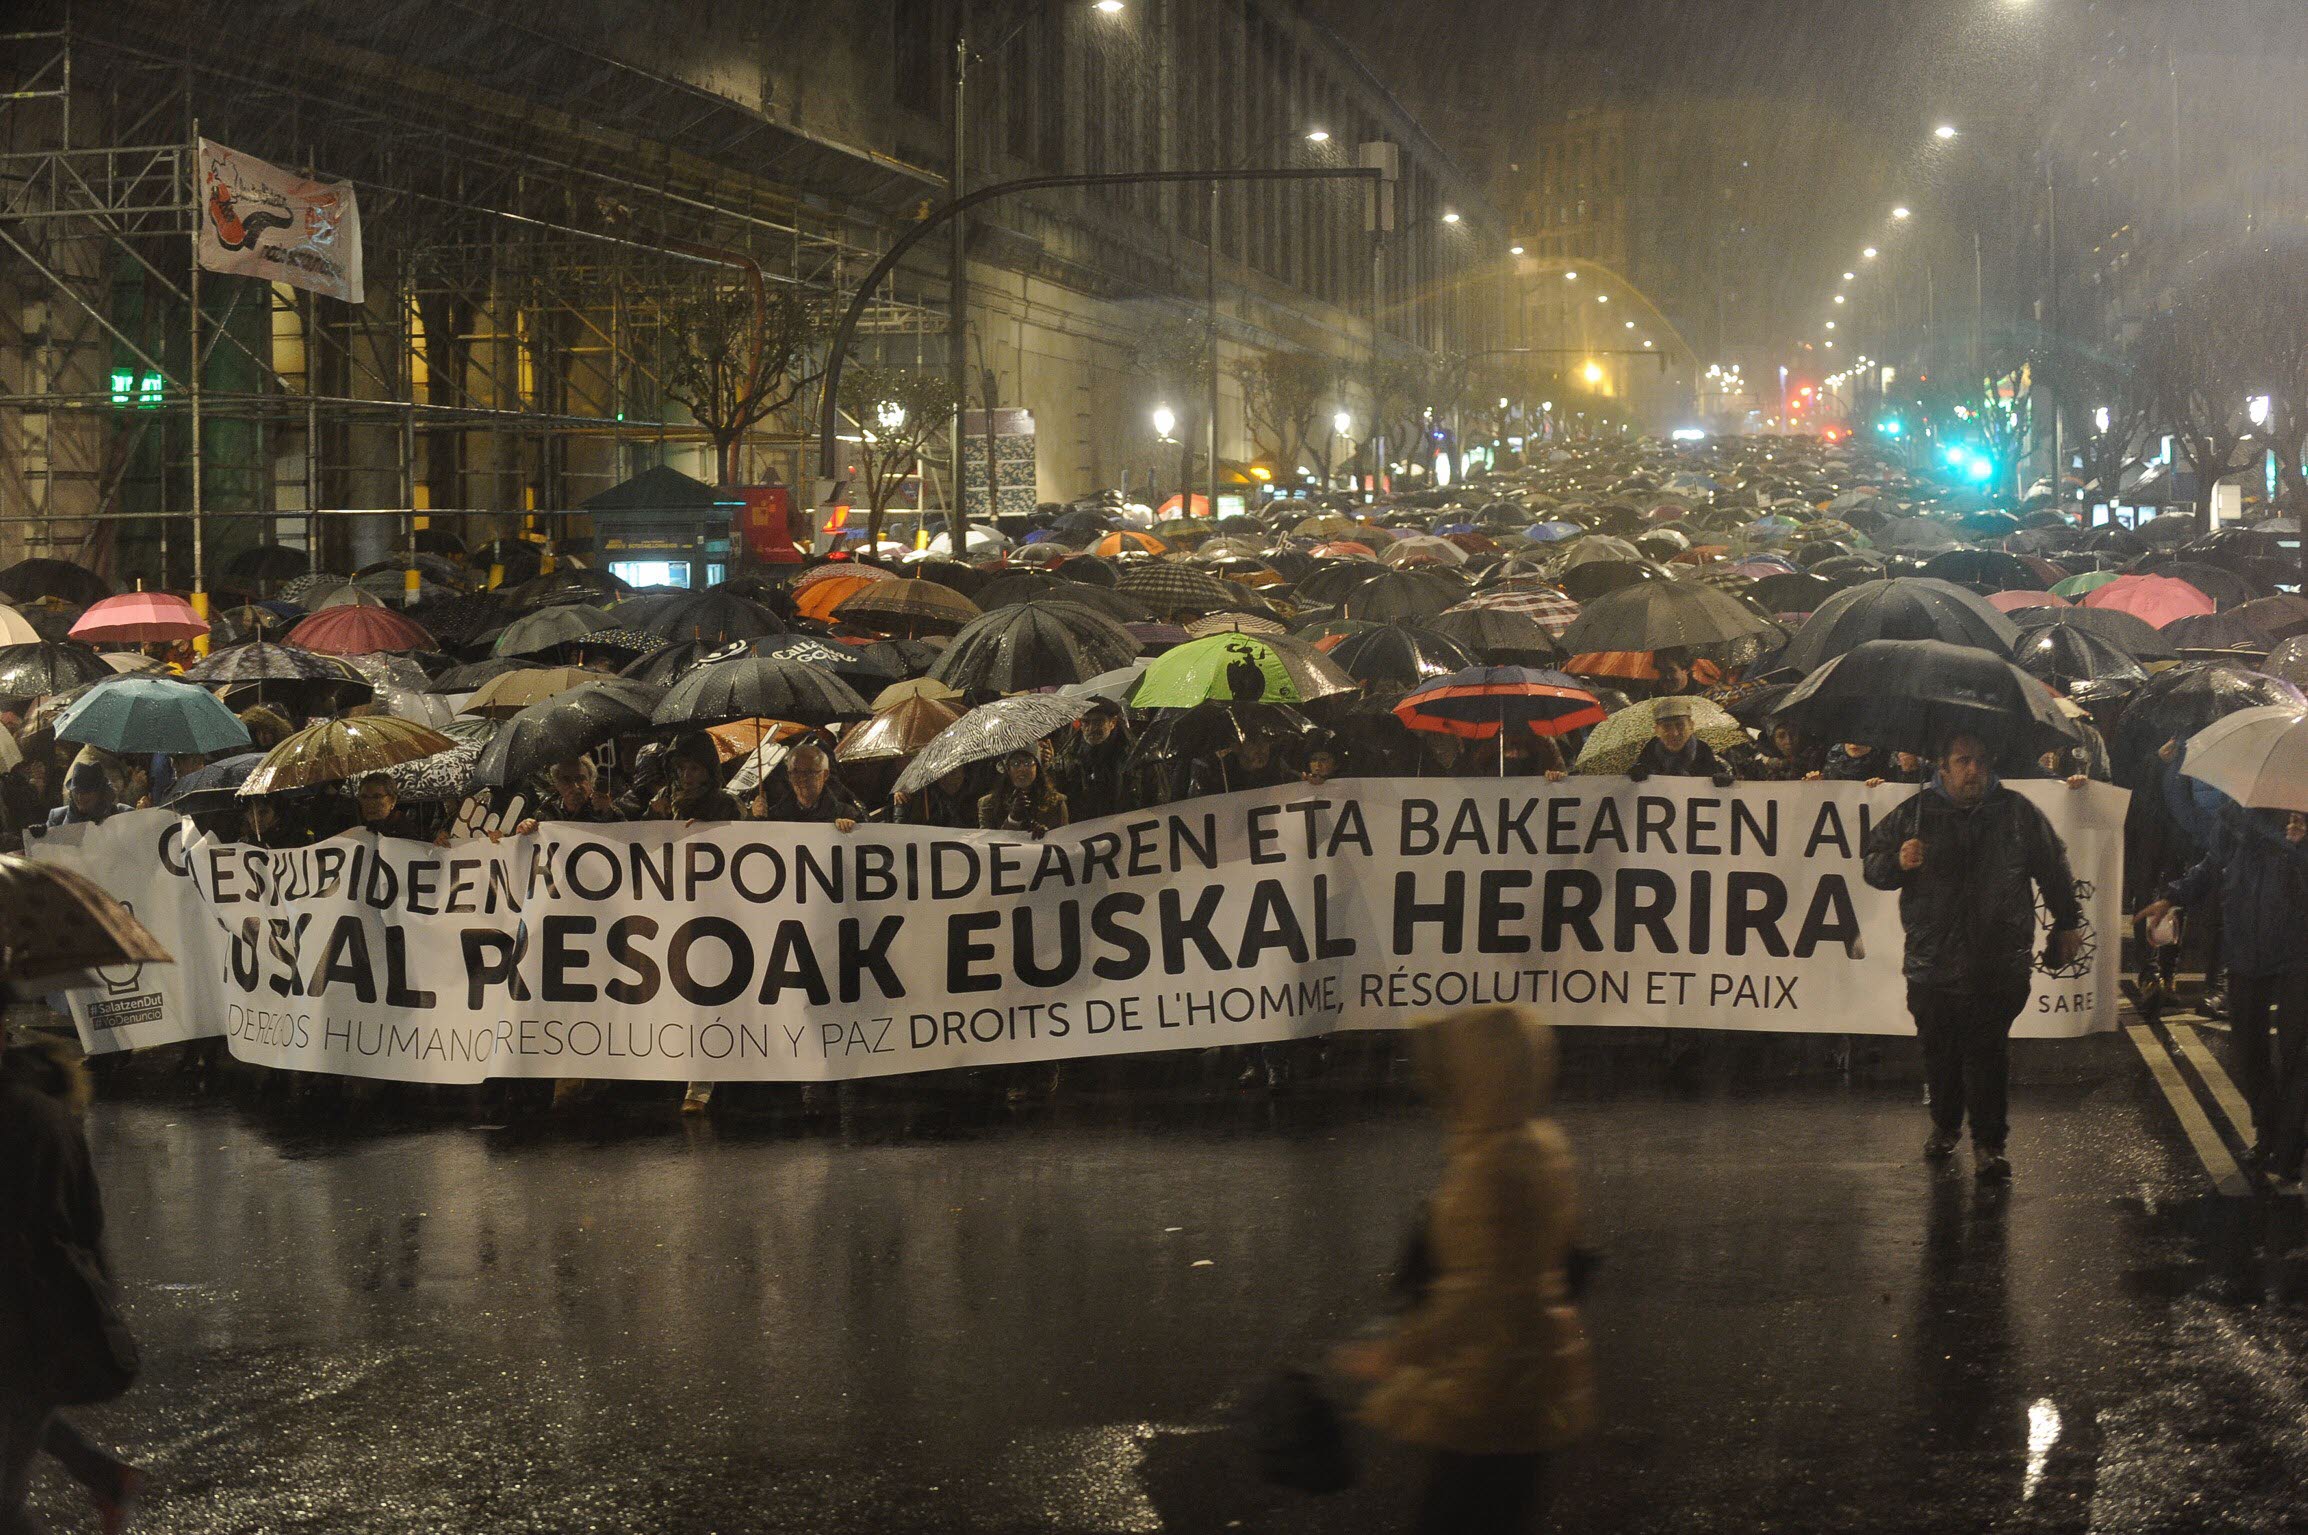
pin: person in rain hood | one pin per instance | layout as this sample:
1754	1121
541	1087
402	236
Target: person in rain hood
49	1195
89	797
1963	854
1675	750
2259	868
1487	1371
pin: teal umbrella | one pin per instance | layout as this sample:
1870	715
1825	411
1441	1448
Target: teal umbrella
1239	668
151	714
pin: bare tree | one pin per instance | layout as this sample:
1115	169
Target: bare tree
1283	395
734	357
898	412
1175	358
2106	378
2192	358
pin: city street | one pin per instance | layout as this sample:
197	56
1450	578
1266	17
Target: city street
942	1311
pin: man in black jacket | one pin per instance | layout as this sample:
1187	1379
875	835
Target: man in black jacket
1091	773
1963	855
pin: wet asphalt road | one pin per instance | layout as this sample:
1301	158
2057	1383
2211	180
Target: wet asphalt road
956	1314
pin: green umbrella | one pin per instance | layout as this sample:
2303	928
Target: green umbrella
151	714
2091	580
1619	740
1221	667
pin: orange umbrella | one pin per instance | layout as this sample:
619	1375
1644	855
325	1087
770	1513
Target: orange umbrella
739	737
822	596
1199	507
1129	541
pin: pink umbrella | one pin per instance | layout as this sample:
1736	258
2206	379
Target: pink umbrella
2012	602
2158	600
132	618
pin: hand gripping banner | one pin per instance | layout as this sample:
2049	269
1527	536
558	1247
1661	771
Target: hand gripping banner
752	951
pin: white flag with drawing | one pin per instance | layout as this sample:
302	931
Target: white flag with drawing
257	220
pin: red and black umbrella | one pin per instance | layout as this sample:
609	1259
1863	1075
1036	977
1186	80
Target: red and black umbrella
1480	702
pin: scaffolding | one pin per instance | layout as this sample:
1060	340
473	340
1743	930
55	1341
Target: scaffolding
507	363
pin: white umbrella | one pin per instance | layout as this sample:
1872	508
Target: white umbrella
2257	757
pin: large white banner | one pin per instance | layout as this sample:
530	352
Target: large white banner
257	220
747	951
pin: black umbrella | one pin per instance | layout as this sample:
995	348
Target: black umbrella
900	658
1214	726
538	632
470	676
1400	656
267	563
1661	615
460	620
620	645
568	584
519	560
1906	609
1798	591
211	787
2181	700
1033	645
850	663
1018	586
664	665
1985	569
758	687
1337	580
1914	695
2064	656
1494	634
717	617
1404	596
2135	636
564	726
1597	578
28	579
49	666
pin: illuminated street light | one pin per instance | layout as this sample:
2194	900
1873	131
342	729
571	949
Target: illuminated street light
1944	132
891	415
1514	250
1646	343
1318	135
1570	276
1868	253
1831	325
1850	276
1165	419
1593	373
1900	213
1839	298
1630	325
1602	298
1450	218
1342	422
1109	7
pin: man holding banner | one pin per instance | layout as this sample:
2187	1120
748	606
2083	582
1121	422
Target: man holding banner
1963	854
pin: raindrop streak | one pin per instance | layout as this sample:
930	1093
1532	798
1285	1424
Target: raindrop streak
2043	1433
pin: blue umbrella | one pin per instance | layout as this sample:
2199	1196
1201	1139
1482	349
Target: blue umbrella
151	714
1552	532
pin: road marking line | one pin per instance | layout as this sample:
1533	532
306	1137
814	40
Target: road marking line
2224	1090
2226	1176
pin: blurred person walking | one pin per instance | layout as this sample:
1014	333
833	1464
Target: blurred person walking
1488	1370
62	1341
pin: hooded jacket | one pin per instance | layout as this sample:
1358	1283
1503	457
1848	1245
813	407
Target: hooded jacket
1970	911
1096	779
47	1184
2262	882
1492	1360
